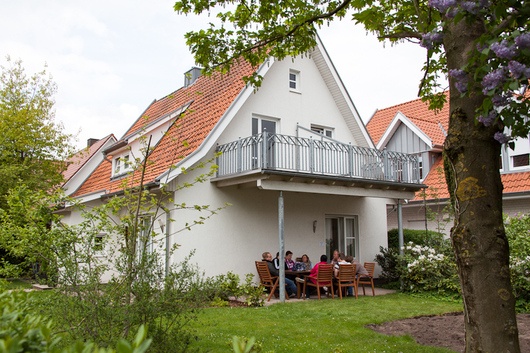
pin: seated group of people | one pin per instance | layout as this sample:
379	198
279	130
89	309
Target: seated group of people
305	264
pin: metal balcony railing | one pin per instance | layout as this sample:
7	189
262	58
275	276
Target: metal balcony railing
267	151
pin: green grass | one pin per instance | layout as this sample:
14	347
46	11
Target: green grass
17	284
318	325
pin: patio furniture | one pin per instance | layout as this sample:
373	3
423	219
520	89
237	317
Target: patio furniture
323	279
297	274
346	278
267	280
369	278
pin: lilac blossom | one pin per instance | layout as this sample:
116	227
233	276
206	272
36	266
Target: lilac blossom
503	50
470	6
461	79
501	138
493	80
429	39
500	100
518	70
523	41
488	119
442	5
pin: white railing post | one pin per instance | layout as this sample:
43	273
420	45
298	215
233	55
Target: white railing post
239	157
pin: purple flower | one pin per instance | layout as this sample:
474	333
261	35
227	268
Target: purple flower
442	5
488	119
523	41
501	138
470	6
503	50
493	80
460	79
518	70
500	100
429	39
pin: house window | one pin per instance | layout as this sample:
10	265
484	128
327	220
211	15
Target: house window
420	167
521	160
294	80
145	243
328	132
121	164
99	242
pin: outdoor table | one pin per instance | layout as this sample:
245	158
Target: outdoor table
297	274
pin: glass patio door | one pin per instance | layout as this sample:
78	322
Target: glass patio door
342	234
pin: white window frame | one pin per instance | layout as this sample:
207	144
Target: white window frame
98	243
323	130
294	81
121	164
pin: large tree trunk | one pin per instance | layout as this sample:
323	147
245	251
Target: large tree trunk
471	160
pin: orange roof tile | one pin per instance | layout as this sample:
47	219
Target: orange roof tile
210	96
78	160
417	112
512	183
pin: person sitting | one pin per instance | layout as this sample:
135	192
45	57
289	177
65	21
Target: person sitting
306	263
360	270
341	260
290	285
277	261
313	274
335	257
289	263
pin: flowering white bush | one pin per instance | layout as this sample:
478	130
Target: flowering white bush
428	269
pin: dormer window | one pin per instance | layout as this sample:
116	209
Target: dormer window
121	165
294	81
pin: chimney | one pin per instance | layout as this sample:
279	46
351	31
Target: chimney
192	75
91	141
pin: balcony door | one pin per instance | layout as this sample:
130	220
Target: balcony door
342	233
260	125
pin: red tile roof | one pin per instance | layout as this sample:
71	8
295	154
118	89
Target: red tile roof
429	123
417	112
210	97
80	158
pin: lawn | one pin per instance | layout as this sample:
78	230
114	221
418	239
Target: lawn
318	325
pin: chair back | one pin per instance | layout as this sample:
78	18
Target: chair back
347	273
370	267
264	273
325	274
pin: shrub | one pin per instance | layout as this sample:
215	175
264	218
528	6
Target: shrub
428	269
518	234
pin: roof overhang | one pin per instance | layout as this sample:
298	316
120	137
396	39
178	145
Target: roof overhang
320	184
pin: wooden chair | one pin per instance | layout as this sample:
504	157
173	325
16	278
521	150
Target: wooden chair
324	278
267	280
369	278
347	278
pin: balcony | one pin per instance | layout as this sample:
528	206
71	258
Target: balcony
317	159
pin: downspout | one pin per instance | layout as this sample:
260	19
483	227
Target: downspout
168	243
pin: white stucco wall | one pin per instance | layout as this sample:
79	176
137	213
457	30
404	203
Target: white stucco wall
313	105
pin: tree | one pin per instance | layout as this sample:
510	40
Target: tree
484	48
33	147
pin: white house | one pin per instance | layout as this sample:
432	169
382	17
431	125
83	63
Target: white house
295	159
412	128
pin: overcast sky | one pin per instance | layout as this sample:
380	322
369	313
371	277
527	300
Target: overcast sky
111	59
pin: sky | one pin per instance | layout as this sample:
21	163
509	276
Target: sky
111	59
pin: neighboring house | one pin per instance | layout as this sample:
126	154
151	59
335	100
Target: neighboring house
84	162
412	128
297	139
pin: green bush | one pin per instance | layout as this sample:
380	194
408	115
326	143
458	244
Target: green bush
417	236
518	234
23	331
426	269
